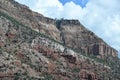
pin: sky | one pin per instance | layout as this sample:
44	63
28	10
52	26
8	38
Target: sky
100	16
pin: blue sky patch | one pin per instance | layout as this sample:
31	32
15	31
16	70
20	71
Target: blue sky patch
82	3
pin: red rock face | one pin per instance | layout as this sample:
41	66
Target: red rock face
101	49
87	75
70	58
78	37
31	54
6	76
70	32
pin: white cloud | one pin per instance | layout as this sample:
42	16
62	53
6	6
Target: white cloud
100	16
51	8
29	3
71	10
103	18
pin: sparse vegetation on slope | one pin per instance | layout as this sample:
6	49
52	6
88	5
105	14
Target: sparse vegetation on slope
26	54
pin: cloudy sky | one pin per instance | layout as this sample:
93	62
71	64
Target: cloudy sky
100	16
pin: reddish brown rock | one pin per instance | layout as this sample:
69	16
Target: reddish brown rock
32	55
1	44
70	58
78	37
70	32
87	75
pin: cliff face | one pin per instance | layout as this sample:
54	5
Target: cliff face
78	37
40	48
27	54
29	18
70	32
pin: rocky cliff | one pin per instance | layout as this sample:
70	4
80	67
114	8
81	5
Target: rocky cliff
70	32
35	47
75	35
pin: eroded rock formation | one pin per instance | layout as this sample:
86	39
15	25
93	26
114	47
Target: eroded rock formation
78	37
36	47
70	32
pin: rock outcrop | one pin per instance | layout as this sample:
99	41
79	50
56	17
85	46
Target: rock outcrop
70	32
78	37
36	47
36	55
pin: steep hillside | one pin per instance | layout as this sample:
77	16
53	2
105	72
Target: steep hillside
34	47
76	36
71	32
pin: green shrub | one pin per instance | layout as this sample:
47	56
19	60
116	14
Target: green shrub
49	77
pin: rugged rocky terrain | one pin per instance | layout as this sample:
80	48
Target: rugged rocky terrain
35	47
